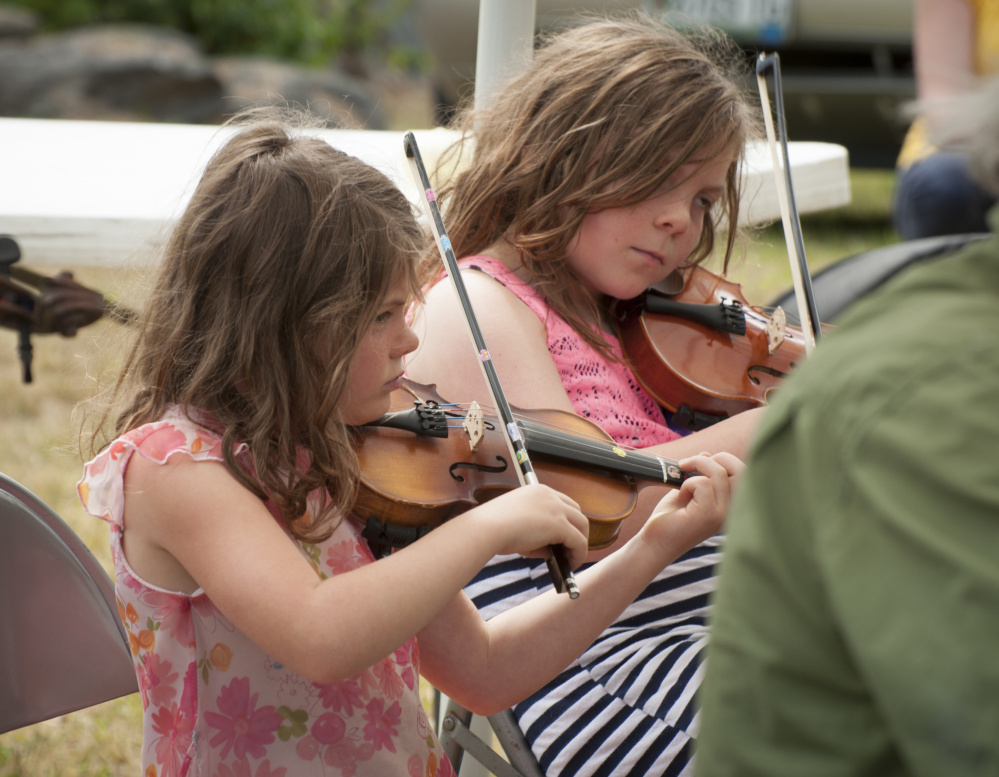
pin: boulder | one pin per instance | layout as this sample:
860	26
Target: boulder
332	94
16	22
142	73
109	72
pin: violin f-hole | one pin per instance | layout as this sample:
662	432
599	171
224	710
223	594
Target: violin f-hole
453	469
766	371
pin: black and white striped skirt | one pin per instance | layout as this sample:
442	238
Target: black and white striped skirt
626	706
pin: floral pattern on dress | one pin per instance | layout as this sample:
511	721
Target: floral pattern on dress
214	704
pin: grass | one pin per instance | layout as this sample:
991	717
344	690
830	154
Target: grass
764	271
40	433
40	450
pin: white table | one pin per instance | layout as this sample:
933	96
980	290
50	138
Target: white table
78	193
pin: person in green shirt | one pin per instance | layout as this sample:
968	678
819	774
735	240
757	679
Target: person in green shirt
856	629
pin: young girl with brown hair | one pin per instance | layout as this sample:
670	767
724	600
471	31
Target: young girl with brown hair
266	638
610	162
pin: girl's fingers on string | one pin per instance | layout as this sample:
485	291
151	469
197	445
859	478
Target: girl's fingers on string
711	489
707	464
726	469
708	487
732	463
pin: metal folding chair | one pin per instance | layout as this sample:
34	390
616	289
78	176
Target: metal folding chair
62	645
461	732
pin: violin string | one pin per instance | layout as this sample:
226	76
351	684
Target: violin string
586	448
596	441
590	442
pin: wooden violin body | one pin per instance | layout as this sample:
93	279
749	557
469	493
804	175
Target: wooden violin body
702	350
424	463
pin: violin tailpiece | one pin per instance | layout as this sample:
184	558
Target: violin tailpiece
424	418
726	316
687	418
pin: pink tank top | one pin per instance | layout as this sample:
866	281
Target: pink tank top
604	391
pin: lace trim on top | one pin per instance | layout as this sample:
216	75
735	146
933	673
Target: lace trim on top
603	391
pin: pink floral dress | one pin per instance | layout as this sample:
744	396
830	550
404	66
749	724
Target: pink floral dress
213	702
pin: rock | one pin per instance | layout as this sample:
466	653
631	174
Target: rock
16	22
110	72
252	81
142	73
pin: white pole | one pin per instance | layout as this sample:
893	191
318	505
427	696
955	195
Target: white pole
505	43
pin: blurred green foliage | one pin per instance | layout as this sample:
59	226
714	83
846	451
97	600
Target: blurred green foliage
307	31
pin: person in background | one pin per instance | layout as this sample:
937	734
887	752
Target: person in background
610	162
955	43
857	615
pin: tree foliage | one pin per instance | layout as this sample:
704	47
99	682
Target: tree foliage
307	31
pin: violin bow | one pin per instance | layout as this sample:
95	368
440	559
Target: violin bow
558	567
808	312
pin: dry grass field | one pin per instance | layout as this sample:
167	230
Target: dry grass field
39	436
39	448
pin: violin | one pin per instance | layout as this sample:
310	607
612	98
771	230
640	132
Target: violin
428	460
702	351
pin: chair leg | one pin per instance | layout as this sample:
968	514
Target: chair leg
457	738
455	718
515	744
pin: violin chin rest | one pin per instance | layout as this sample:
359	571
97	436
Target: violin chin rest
672	284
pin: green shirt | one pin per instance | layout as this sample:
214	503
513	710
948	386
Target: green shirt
856	630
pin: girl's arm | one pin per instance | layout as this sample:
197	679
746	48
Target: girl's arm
489	666
515	337
192	524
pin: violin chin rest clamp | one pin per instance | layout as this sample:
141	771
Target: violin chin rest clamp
687	418
383	537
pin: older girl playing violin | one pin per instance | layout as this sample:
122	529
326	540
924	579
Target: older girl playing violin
610	162
266	638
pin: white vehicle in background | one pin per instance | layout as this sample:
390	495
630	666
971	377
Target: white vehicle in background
846	64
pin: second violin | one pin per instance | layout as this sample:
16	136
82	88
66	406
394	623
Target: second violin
702	350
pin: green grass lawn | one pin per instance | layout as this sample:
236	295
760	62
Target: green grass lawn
40	449
764	271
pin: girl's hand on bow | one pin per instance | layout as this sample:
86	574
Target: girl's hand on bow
528	519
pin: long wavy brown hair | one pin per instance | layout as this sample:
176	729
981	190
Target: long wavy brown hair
272	276
601	118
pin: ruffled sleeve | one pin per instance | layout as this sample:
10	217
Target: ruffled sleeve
100	489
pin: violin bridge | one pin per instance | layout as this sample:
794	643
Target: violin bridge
776	327
474	425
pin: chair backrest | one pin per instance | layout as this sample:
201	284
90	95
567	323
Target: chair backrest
62	645
839	285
